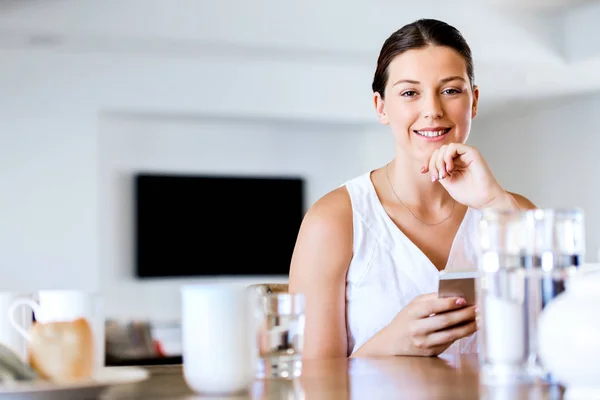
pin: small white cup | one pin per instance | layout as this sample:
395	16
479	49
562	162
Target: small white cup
64	305
219	338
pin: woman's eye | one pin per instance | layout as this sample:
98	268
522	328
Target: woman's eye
451	91
408	93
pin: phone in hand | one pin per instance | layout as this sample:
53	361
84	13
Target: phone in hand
458	284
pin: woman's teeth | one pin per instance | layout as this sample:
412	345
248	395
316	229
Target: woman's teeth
432	133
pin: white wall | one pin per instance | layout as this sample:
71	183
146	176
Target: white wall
52	105
47	201
549	153
326	154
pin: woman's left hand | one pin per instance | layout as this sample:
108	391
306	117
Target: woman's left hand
466	176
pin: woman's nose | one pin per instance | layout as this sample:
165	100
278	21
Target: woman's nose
432	108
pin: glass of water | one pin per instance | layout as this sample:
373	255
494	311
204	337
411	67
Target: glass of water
502	298
554	250
526	260
280	335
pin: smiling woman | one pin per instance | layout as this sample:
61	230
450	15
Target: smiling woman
368	254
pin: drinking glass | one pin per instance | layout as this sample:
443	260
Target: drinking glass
554	250
501	297
280	335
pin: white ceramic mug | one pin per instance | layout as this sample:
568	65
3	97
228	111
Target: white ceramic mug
64	305
24	317
219	338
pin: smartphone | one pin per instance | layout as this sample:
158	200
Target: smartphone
458	284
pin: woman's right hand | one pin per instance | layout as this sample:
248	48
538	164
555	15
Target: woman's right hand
428	325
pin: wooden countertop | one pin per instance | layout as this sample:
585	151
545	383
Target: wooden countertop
362	378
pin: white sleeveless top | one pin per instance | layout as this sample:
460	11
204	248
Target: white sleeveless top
388	270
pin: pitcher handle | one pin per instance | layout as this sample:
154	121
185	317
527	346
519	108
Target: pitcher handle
12	314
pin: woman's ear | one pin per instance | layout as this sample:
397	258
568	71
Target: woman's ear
475	101
380	108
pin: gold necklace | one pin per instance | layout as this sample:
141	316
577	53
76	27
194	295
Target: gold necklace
409	210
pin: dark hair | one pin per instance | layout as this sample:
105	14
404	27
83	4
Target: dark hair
416	35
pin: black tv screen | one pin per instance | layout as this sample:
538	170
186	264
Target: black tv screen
191	226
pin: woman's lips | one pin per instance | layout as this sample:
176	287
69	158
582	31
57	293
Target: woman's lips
432	134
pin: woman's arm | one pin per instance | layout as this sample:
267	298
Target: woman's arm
507	200
319	265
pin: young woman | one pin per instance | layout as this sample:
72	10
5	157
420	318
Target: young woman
368	254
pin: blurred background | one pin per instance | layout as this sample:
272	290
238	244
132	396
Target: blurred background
93	92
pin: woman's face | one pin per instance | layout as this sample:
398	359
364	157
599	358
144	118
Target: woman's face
428	100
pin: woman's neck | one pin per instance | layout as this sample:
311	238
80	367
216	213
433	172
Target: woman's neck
415	188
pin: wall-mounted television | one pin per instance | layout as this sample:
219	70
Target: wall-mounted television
214	225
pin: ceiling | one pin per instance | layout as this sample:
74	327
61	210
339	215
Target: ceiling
524	49
535	5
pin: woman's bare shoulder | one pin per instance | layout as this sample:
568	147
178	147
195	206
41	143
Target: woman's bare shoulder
331	214
337	202
324	244
523	201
